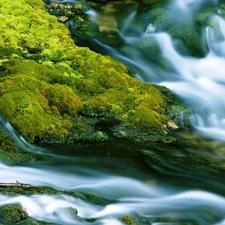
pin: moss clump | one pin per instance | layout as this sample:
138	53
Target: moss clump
145	117
10	153
13	213
116	94
38	110
26	26
128	220
47	82
63	99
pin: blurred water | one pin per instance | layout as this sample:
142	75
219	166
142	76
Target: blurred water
151	186
202	207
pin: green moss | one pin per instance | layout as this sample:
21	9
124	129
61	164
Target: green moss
127	95
190	38
63	99
145	117
46	81
27	26
175	109
34	3
45	97
13	213
10	153
38	110
128	220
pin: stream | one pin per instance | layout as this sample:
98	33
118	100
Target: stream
159	185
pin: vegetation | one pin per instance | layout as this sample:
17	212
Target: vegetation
49	86
128	220
10	153
13	213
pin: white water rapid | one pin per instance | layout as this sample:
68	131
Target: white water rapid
201	82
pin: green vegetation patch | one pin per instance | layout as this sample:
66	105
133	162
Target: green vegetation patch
13	213
128	220
10	153
49	86
35	108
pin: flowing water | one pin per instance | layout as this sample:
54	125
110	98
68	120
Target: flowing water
159	185
154	57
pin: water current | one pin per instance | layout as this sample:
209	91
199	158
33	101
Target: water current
160	185
157	57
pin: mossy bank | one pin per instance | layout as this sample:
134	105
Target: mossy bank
53	91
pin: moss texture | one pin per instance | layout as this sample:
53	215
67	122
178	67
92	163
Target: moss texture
10	150
128	220
48	84
13	213
12	154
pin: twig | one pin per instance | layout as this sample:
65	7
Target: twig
17	184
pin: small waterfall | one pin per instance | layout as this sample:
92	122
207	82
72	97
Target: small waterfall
19	139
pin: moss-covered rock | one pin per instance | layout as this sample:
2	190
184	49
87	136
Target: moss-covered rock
11	153
16	214
175	110
44	190
128	220
50	88
13	213
35	108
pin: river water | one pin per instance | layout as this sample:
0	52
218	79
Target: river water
158	185
143	43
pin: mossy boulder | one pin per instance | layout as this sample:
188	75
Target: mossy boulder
35	108
13	213
128	220
50	88
10	153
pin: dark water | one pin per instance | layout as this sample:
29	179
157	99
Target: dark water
158	185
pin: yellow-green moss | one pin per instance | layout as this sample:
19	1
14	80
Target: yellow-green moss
128	220
64	99
10	153
38	110
13	213
126	95
46	80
